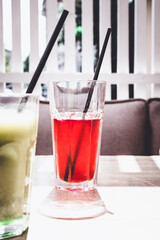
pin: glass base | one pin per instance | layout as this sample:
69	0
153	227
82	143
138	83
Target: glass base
73	205
13	227
82	186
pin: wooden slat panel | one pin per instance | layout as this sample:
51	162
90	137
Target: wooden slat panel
108	92
2	59
140	63
149	87
144	80
122	91
105	22
148	90
156	90
2	62
149	34
140	58
140	90
87	36
51	15
16	63
113	78
17	87
70	54
2	87
34	34
155	66
155	53
122	38
25	28
16	37
122	47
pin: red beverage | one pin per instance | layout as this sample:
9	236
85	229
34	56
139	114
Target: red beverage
76	149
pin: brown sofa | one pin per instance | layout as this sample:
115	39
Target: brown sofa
44	138
130	127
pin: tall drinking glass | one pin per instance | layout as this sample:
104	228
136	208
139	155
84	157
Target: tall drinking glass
18	133
76	135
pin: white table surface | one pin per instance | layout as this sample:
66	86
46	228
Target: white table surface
132	212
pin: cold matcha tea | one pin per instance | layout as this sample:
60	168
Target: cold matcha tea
18	131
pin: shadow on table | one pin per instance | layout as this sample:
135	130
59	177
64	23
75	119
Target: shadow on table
73	205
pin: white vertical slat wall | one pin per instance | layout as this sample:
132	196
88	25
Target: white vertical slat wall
105	23
149	29
51	21
16	60
34	55
141	43
70	47
34	36
2	62
122	46
155	63
2	59
140	58
87	36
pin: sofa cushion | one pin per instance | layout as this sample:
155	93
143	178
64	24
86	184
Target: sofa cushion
124	128
154	125
44	138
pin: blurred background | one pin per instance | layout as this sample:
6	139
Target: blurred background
26	26
25	36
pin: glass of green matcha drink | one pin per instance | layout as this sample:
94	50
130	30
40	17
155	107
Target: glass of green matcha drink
18	133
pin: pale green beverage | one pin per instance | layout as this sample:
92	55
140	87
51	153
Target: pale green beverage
18	132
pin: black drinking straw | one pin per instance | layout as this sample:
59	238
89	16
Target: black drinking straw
44	57
97	70
87	106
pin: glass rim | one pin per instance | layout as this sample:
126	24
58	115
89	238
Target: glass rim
77	80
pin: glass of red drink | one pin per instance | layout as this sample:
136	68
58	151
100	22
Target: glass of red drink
76	132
